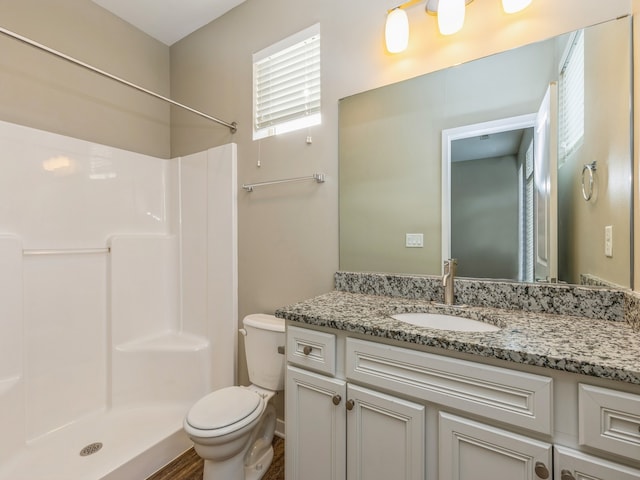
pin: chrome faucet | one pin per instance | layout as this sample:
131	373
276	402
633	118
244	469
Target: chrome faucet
448	279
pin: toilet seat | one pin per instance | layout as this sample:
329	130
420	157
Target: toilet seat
224	411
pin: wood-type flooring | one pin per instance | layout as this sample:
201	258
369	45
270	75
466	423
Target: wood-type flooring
189	466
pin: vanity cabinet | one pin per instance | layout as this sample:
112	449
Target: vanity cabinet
385	436
469	450
609	420
466	449
315	419
574	465
361	409
336	430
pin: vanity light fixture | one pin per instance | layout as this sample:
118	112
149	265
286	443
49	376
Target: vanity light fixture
513	6
450	15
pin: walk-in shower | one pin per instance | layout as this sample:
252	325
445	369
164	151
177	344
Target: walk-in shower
118	303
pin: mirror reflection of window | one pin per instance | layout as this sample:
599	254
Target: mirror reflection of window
571	98
527	217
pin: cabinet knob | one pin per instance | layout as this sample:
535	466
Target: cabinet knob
336	399
566	475
350	404
307	350
541	470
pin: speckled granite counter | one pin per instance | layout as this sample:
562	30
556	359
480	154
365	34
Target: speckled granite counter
596	347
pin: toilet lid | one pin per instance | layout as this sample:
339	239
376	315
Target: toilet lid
222	408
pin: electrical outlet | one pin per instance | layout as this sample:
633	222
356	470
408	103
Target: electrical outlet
414	240
608	240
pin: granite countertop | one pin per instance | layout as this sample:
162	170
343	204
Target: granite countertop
575	344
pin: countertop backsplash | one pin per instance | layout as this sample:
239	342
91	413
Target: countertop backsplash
562	299
632	310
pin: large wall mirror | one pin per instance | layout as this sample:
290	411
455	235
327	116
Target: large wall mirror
519	165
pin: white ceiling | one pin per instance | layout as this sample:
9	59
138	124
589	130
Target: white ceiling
486	146
168	20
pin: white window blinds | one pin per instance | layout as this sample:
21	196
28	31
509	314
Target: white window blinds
571	99
528	217
287	84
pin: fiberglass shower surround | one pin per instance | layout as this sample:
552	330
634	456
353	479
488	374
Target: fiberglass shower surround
109	319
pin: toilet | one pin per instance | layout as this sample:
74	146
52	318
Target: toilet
232	428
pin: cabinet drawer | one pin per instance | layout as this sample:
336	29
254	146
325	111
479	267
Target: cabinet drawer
311	349
517	398
609	420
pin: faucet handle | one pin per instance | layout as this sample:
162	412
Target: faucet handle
450	264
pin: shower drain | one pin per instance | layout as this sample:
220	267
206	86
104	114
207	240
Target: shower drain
90	449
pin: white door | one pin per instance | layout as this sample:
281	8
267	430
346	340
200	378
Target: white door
315	426
470	450
545	174
573	465
385	437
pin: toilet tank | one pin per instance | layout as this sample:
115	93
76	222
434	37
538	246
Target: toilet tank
263	335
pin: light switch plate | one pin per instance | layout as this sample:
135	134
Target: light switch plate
608	240
414	240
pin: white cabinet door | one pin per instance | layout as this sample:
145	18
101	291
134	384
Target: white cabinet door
315	426
385	437
574	465
470	450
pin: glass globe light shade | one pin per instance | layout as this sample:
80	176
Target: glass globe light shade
396	31
450	16
513	6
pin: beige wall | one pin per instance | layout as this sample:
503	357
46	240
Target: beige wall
44	92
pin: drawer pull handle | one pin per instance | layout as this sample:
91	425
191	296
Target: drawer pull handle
350	404
566	475
541	470
307	350
336	399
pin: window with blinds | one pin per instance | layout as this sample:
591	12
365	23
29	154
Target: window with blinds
286	84
571	99
529	233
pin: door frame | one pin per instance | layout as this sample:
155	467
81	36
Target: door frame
466	131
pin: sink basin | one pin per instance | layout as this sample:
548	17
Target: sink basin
445	322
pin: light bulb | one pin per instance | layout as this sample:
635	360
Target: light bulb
513	6
396	31
450	16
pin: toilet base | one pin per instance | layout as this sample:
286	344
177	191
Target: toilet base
231	469
257	470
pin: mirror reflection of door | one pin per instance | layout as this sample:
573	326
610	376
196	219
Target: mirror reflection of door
545	187
492	205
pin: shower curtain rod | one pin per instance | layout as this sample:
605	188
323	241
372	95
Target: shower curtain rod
232	126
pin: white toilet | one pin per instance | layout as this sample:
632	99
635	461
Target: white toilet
232	428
